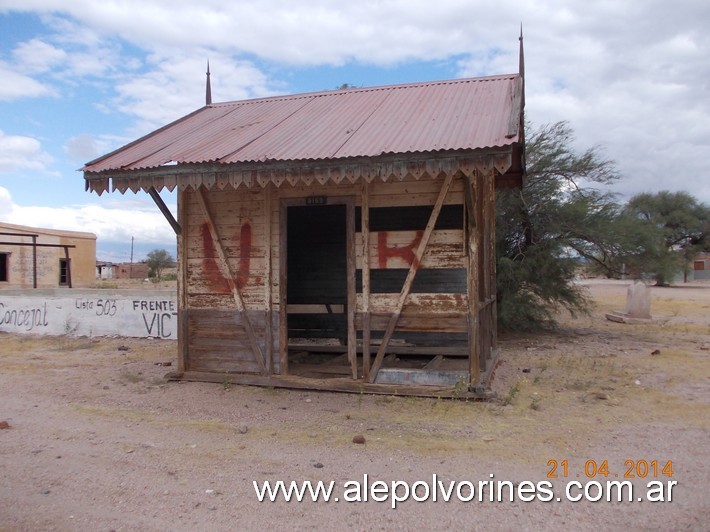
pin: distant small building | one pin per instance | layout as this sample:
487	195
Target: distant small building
127	270
45	258
123	270
104	270
701	266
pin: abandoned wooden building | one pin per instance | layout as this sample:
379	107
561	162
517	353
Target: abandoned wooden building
339	240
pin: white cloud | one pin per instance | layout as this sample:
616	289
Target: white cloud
119	224
6	205
298	33
16	85
114	221
36	55
84	147
175	87
91	53
643	95
22	153
631	76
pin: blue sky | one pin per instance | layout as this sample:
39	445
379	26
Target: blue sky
79	79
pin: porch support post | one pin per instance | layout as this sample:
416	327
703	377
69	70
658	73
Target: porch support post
34	260
472	236
365	230
268	307
183	314
351	298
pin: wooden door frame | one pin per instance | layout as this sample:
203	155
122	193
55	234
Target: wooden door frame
308	201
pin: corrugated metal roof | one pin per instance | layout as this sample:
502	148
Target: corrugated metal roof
461	114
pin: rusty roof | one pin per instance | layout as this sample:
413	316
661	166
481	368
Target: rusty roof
416	118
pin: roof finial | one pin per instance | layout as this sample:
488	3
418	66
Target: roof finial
521	63
208	88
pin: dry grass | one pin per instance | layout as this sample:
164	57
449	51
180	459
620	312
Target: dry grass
137	414
555	391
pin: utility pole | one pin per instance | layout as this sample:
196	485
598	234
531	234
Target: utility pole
130	268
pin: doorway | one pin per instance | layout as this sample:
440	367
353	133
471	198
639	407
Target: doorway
318	288
64	272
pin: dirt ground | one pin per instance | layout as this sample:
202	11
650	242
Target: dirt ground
97	440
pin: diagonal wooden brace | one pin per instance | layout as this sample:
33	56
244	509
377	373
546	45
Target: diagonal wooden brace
414	268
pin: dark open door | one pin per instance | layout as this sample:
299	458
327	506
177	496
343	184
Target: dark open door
320	277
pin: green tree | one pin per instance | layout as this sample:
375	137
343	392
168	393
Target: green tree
676	226
157	261
544	229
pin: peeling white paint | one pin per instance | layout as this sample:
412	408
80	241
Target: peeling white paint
77	312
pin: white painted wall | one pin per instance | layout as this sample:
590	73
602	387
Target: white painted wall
79	312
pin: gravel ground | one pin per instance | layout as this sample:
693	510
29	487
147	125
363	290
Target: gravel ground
97	440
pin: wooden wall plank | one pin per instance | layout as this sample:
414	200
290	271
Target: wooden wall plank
435	303
407	193
230	196
222	364
252	296
453	322
220	333
199	267
232	245
331	190
394	249
205	275
393	193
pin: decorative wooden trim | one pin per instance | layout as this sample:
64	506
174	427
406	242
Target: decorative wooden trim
230	276
347	171
377	364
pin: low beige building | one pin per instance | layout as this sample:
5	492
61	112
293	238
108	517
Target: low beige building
701	266
31	257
